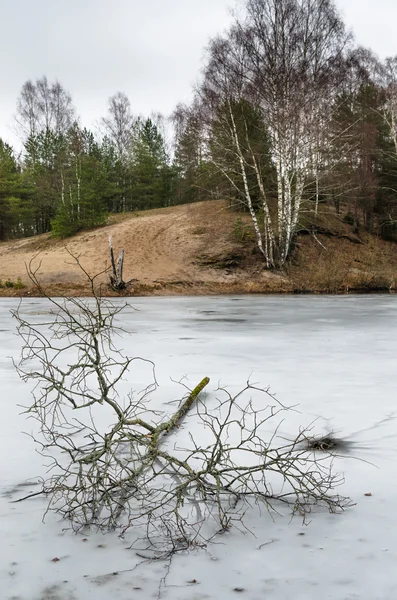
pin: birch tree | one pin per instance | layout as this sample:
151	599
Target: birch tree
389	72
82	184
119	123
43	106
119	127
286	58
387	90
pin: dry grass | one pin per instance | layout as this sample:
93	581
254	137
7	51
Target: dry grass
338	265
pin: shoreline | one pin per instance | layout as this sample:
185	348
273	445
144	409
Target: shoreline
186	288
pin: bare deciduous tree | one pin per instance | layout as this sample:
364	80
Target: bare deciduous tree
44	106
28	109
389	84
119	124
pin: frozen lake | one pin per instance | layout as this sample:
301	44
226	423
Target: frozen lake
334	356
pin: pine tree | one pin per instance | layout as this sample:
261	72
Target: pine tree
151	174
16	207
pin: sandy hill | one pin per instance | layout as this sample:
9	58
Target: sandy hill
166	251
197	249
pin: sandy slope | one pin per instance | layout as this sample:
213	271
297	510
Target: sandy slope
167	252
161	250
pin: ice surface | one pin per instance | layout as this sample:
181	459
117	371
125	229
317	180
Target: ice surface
335	356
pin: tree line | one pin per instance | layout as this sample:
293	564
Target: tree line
290	117
68	178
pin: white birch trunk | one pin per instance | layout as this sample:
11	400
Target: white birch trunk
267	221
78	178
62	189
247	194
393	130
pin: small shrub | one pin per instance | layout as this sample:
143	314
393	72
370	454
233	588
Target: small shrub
8	283
375	282
350	219
388	230
241	231
19	285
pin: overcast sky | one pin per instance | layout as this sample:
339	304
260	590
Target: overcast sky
150	49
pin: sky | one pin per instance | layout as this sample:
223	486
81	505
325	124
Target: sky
150	49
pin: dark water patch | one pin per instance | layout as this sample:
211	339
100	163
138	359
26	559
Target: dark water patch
228	320
219	320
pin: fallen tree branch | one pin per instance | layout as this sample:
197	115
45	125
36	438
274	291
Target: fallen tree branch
29	496
182	412
127	474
